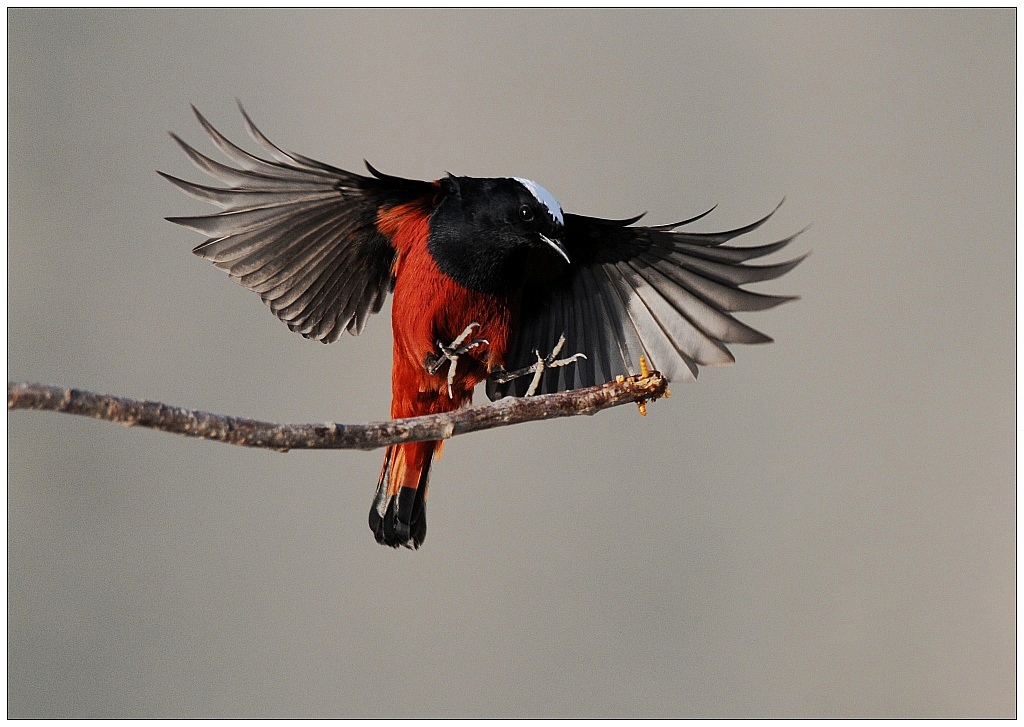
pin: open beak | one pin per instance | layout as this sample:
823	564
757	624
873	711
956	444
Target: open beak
558	247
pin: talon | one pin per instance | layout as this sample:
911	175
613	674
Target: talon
451	353
543	364
465	334
538	371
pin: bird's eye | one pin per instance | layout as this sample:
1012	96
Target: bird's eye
525	213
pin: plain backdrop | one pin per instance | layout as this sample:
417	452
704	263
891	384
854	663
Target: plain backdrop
826	528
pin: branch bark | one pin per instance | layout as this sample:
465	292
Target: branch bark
283	437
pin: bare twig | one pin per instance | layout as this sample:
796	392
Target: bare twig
282	437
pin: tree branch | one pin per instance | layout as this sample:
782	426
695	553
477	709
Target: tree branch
283	437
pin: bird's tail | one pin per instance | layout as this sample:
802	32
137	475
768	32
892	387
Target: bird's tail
399	512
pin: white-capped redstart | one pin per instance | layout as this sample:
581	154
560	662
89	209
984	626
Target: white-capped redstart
492	282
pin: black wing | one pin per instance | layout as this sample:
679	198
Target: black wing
301	233
633	291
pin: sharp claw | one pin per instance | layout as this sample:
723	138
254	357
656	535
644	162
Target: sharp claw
558	346
451	353
464	335
542	365
538	372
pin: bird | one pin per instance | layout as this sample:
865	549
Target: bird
491	282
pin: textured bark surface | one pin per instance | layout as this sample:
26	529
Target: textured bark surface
283	437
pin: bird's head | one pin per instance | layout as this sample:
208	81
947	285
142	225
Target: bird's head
483	230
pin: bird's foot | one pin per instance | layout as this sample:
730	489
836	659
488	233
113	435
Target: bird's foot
451	353
543	363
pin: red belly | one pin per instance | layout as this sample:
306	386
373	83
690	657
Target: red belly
429	307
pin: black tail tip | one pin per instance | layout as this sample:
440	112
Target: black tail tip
404	525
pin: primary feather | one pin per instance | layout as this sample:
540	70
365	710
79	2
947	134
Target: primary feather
304	236
300	233
655	291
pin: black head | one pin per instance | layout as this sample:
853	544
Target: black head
484	231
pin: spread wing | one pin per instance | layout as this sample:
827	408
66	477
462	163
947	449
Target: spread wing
632	291
301	233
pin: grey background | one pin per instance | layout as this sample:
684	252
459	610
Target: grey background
826	528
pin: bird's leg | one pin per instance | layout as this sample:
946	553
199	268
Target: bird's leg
451	353
538	369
